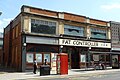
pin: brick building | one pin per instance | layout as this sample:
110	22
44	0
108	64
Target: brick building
41	34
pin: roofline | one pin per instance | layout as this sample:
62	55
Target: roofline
63	12
114	22
37	8
60	19
99	20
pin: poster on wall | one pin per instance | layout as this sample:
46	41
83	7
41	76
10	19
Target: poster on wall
54	57
47	56
83	58
96	57
53	63
29	58
38	57
115	61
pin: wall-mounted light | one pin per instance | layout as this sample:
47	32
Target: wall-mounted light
61	35
24	44
61	46
89	47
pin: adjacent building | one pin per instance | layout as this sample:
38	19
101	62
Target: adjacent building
115	42
42	34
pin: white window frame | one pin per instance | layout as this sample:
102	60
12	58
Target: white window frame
44	20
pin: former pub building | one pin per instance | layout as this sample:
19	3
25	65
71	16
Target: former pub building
42	34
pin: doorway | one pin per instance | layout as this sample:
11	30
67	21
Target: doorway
75	59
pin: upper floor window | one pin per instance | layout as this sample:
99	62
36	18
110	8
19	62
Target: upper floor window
98	33
42	26
73	30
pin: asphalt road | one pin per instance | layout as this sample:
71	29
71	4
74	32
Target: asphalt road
112	74
107	76
97	76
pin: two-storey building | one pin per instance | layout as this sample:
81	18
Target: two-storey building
42	34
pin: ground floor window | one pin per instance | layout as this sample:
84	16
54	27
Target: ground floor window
47	57
29	57
95	57
83	58
38	57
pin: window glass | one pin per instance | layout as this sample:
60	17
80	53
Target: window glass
95	57
47	56
38	57
42	26
29	58
98	33
73	30
83	58
102	57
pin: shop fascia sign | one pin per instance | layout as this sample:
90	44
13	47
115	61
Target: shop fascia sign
70	42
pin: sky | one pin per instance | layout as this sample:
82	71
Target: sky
106	10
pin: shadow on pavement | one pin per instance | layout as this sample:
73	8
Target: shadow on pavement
6	69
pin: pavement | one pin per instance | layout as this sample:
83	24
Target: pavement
30	76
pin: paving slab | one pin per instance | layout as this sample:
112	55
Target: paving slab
30	75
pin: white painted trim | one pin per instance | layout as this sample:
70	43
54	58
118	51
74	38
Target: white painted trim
29	25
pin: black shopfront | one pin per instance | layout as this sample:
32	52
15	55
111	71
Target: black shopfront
81	54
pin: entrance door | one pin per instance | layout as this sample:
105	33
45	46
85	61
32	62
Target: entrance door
75	59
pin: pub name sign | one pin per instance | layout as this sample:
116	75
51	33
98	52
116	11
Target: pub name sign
70	42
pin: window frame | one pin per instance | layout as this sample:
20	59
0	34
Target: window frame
101	32
43	20
80	27
32	57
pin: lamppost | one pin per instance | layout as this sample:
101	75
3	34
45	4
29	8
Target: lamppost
88	54
89	59
61	47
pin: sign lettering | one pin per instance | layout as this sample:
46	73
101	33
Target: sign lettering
70	42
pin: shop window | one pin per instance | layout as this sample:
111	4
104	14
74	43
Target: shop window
95	57
29	58
38	57
73	30
102	57
82	58
43	27
47	56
